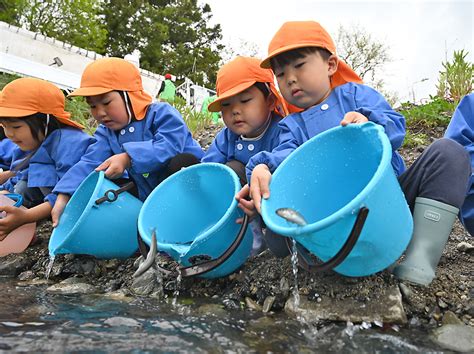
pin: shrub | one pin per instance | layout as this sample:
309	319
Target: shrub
437	112
456	80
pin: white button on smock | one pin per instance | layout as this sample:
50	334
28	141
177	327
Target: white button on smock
240	146
324	107
131	129
122	132
251	147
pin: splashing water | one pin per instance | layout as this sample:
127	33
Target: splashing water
178	286
294	262
49	268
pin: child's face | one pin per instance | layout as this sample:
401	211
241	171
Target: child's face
109	109
305	82
20	133
247	112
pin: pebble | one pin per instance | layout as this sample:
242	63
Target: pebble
122	321
268	303
465	247
442	304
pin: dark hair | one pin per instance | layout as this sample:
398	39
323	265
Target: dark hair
263	87
37	123
286	57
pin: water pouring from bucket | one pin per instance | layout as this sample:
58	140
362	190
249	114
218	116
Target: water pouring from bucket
342	181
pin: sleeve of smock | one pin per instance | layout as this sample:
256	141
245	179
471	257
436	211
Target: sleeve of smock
67	154
461	129
169	139
288	142
95	154
217	152
373	105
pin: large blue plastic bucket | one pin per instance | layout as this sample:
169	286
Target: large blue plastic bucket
193	213
106	229
328	180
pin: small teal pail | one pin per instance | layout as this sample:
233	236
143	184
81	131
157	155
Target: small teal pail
328	180
99	220
193	213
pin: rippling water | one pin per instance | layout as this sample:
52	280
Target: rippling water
32	320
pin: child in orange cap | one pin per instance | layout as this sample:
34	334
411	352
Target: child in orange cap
311	77
136	139
251	108
33	117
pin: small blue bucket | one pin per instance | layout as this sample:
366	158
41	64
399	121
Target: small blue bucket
329	180
99	220
193	213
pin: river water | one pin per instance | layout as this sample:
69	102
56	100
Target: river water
32	319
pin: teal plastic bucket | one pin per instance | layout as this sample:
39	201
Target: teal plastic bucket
328	180
193	213
99	220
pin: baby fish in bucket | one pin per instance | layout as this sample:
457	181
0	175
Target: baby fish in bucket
193	216
356	219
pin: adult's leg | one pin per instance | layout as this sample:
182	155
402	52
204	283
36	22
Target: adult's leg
178	162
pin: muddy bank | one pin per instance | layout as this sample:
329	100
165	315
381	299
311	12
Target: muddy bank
266	283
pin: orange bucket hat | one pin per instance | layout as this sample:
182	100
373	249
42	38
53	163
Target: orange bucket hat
299	34
26	96
115	74
240	74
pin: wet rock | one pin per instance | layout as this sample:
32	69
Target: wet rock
268	303
147	283
122	322
72	286
387	308
231	304
251	304
212	309
13	265
26	275
450	318
455	337
465	247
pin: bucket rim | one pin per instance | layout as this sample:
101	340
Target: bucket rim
351	206
146	235
86	210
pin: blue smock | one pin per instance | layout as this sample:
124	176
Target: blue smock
228	146
61	150
7	147
461	129
297	128
150	143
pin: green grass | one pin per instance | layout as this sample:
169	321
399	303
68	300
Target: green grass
437	112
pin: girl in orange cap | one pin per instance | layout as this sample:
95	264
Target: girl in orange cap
251	108
136	139
33	117
311	77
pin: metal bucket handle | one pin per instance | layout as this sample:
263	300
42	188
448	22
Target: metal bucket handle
111	195
304	256
206	266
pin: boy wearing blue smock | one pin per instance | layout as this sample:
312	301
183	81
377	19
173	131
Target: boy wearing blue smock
136	139
50	143
461	129
311	77
251	108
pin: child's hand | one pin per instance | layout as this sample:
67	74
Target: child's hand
115	165
353	118
58	208
15	217
245	203
5	175
259	185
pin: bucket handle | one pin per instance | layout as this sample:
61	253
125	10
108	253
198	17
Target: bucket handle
204	267
18	198
304	256
111	195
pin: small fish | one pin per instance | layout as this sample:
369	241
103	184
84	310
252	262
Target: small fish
291	215
150	258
